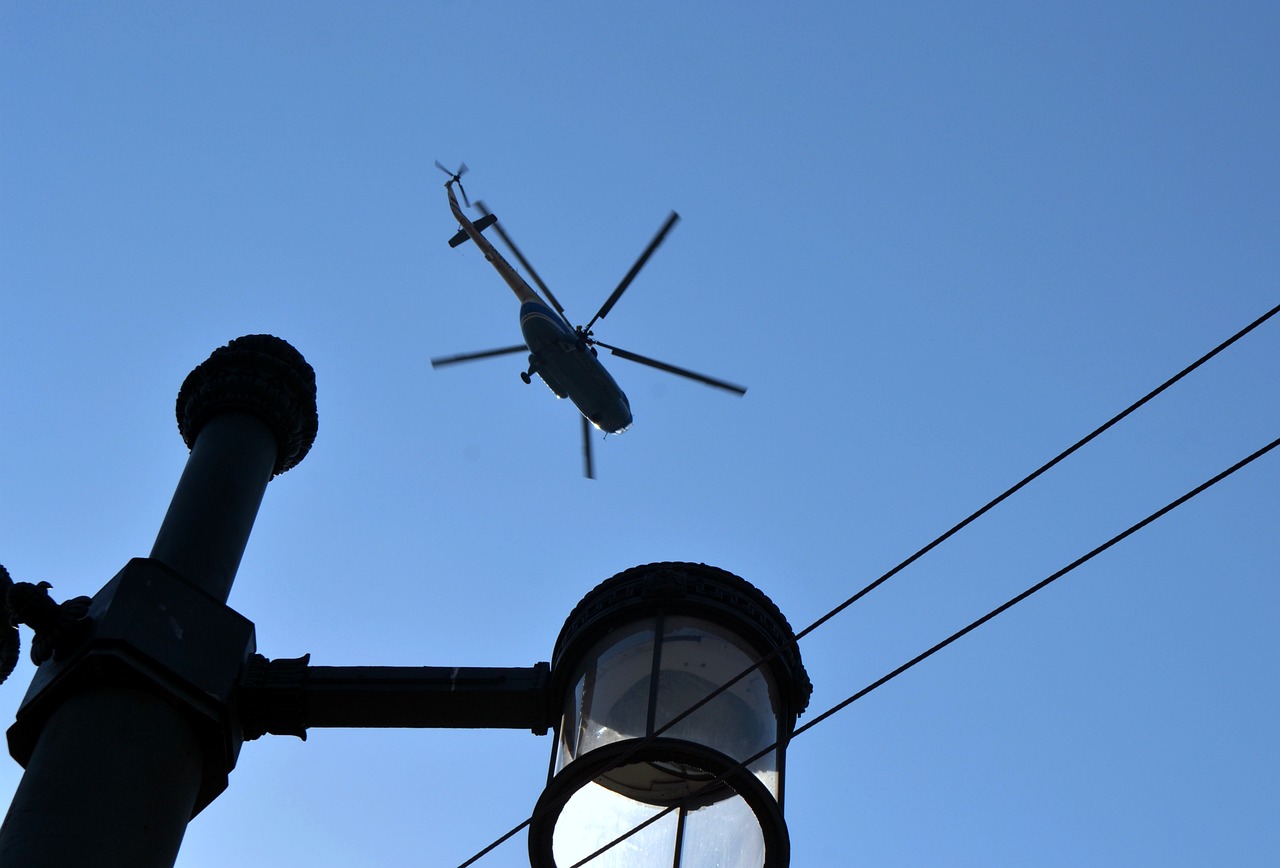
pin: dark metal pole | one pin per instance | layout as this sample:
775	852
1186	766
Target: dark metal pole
112	783
125	738
207	527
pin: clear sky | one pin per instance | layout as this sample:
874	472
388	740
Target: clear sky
938	242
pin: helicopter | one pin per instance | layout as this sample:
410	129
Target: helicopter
562	355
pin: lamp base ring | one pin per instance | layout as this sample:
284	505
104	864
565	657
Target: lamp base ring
595	764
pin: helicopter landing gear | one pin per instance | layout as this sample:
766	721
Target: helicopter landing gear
524	375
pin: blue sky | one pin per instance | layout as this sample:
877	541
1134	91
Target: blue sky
938	242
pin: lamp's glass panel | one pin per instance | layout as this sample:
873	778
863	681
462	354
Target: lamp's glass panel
697	658
613	699
595	816
724	835
609	701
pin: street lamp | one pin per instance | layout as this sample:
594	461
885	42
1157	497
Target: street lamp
638	778
673	689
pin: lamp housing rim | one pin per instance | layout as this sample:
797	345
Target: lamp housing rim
696	590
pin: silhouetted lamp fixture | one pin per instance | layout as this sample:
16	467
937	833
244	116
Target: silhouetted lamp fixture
640	650
673	689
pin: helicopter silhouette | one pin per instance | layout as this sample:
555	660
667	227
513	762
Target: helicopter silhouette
563	355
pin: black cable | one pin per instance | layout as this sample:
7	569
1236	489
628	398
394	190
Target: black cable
498	843
1003	607
1044	583
1009	492
959	526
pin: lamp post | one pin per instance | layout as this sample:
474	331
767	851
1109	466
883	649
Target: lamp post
128	728
673	689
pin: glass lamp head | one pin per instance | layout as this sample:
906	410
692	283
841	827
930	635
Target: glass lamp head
678	686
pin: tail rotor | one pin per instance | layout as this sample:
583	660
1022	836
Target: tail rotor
456	177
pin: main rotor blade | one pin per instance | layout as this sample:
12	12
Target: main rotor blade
588	466
441	361
635	269
511	245
672	369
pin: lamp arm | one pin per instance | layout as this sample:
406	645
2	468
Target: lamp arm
288	696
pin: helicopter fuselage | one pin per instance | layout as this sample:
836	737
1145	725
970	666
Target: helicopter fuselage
571	369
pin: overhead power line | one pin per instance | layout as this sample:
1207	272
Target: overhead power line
1039	586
